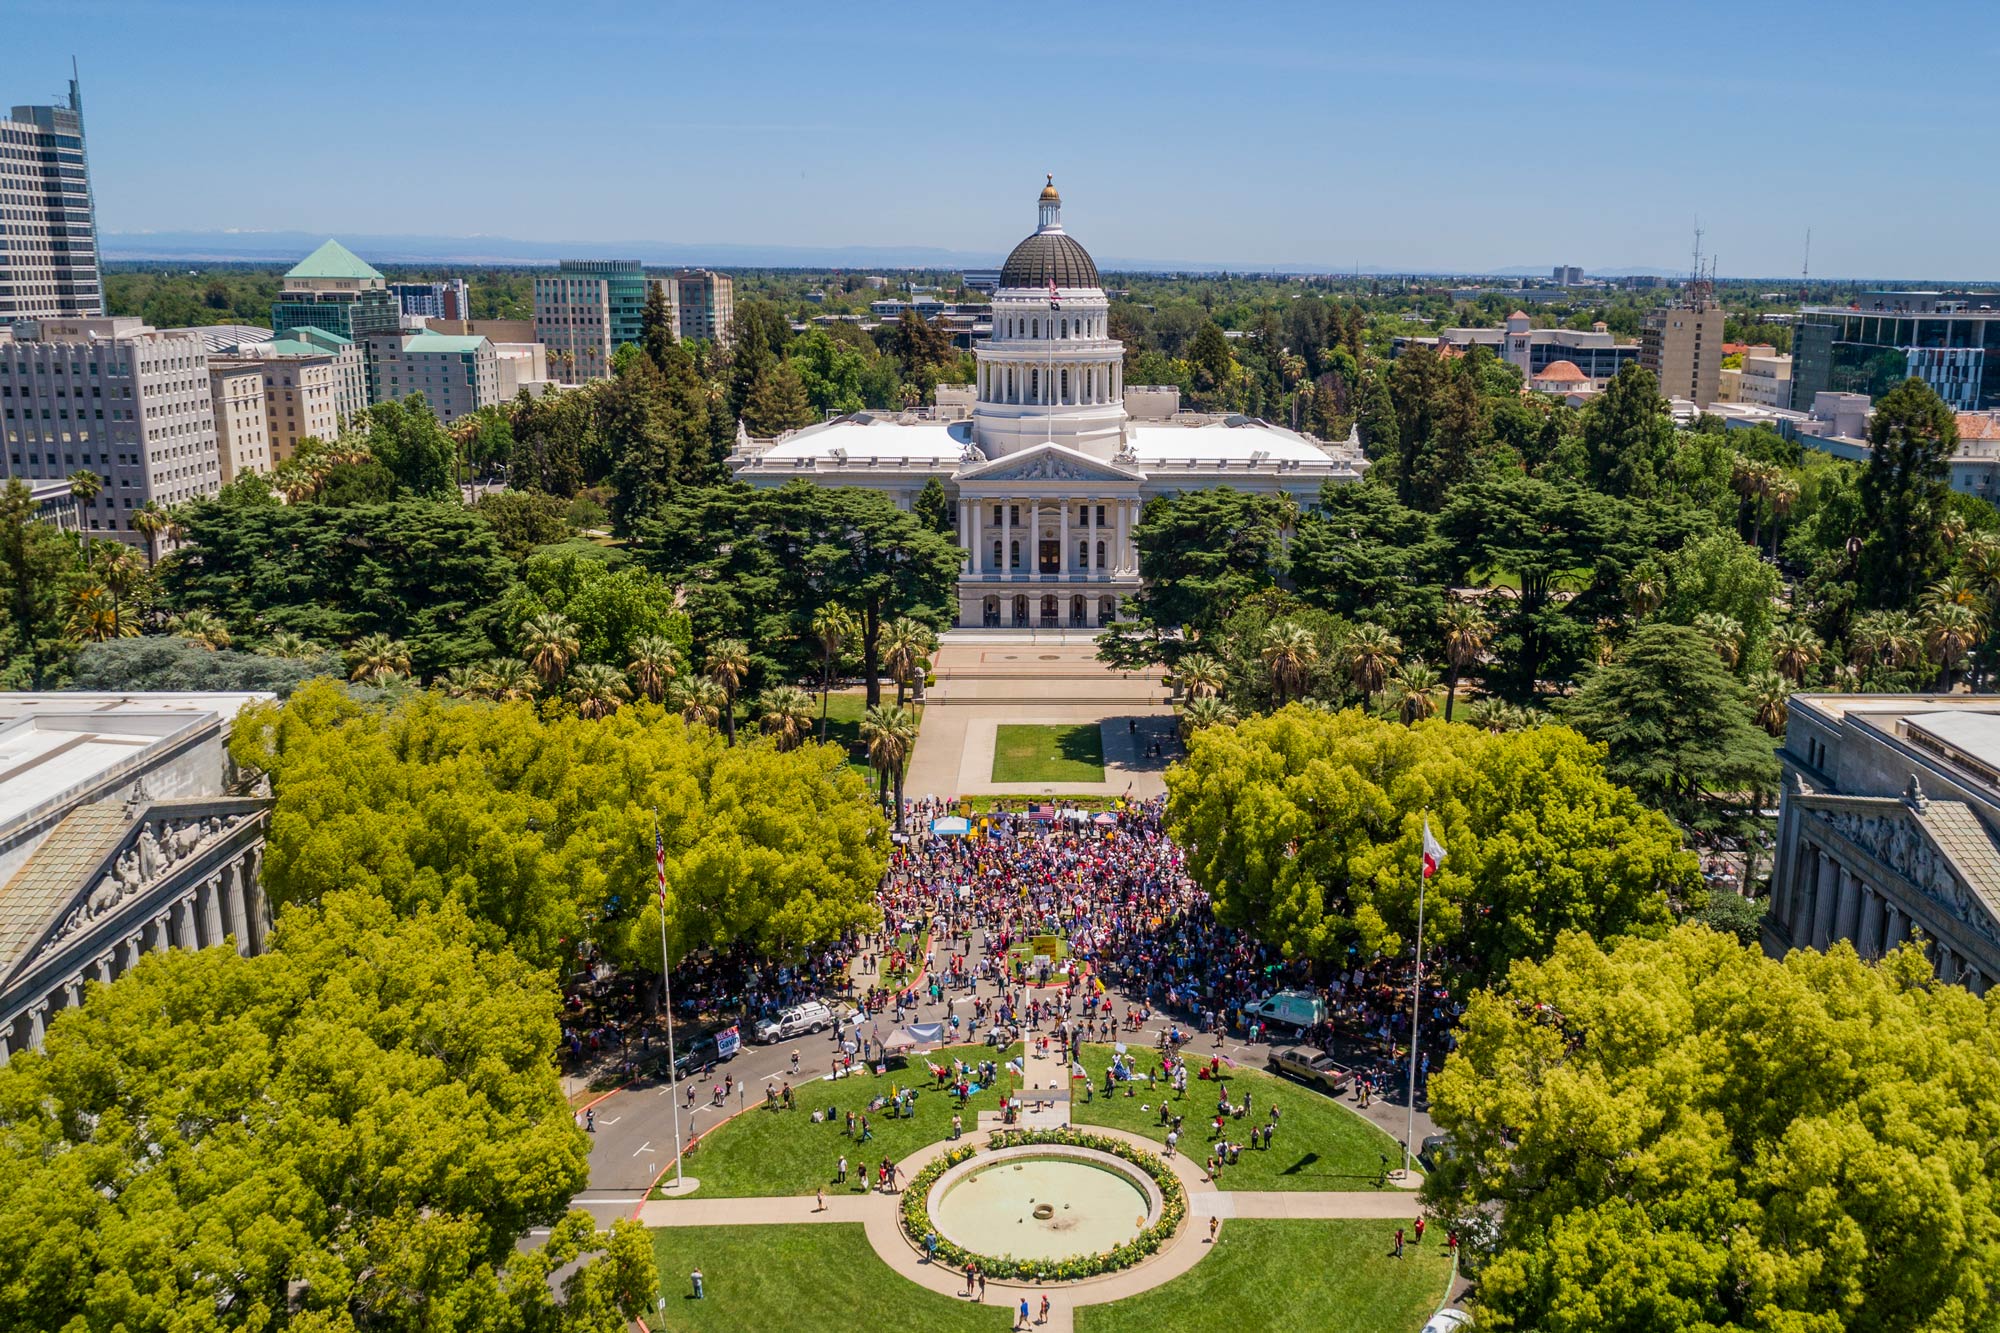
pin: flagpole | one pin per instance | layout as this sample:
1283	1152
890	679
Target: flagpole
667	986
1416	1017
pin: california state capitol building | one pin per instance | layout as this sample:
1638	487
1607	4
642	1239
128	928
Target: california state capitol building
1049	456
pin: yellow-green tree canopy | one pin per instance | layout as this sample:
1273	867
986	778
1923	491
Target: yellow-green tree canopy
349	1132
1306	827
1683	1134
543	827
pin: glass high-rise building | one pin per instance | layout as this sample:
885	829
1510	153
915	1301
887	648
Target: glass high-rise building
1950	342
48	221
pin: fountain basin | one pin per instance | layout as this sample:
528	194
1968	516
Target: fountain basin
1043	1202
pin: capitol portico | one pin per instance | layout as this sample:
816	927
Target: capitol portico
1048	457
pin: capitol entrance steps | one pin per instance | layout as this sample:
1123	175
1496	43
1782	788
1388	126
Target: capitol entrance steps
1041	666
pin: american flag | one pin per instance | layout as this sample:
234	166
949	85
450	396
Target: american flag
660	863
1055	297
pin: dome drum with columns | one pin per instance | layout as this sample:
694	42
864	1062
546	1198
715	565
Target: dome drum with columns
1049	455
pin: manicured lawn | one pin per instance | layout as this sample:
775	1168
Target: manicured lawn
763	1152
1319	1145
1335	1276
801	1279
1025	753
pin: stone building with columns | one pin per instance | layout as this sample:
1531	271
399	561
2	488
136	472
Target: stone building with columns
122	832
1049	456
1887	829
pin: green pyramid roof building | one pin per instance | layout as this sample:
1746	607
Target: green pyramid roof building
333	260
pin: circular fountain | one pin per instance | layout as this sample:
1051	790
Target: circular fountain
1043	1203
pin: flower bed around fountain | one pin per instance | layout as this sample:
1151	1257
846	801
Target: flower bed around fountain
1172	1210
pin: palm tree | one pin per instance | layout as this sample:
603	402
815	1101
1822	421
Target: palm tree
1979	560
1795	650
654	662
1782	494
119	570
786	714
84	488
728	666
1645	589
94	617
1959	588
833	627
285	643
1371	652
549	643
202	627
149	521
1488	714
906	649
699	699
890	732
1201	675
1467	636
460	682
1416	685
374	658
1290	650
1770	692
1725	632
1950	629
507	678
597	690
1203	712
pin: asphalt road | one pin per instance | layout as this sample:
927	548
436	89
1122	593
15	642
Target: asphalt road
634	1141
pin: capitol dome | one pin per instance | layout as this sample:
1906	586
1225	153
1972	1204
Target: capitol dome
1050	256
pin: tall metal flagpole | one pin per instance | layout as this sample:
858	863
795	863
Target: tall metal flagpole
1416	1015
1425	867
667	985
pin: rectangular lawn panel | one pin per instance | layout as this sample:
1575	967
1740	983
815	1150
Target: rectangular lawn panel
1319	1145
768	1153
1035	753
801	1278
1290	1275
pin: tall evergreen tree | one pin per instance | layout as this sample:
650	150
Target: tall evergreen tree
1904	491
656	326
777	402
1629	434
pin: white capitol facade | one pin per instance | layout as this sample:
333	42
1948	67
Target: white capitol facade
1048	458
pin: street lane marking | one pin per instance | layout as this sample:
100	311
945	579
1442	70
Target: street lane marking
647	1146
612	1121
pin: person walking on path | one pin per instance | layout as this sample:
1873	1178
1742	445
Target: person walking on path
968	1279
1214	1225
1045	1310
1021	1321
980	1273
820	1194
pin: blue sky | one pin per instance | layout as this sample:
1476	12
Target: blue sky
1436	135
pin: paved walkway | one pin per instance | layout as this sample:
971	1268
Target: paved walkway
879	1215
989	679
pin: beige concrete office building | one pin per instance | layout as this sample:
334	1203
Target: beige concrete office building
1682	346
315	383
703	304
456	373
114	397
242	439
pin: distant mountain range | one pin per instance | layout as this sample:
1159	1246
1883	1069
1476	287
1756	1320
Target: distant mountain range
286	247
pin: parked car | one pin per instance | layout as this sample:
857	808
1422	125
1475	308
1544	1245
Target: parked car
1310	1066
1434	1149
1288	1008
797	1021
1447	1320
698	1054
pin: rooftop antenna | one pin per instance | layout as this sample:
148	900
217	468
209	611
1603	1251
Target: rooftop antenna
1701	285
1805	269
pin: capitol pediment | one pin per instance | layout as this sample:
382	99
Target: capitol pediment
1049	462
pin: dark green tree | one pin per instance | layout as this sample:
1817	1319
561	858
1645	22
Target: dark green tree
777	402
1202	552
1629	434
1904	490
656	326
933	509
1361	553
1678	728
39	566
405	437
